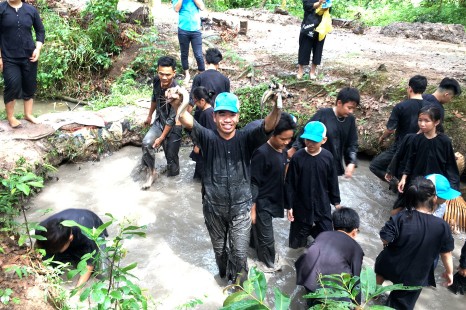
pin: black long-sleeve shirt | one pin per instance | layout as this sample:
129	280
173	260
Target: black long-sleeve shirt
268	179
16	30
342	138
404	117
226	175
164	113
427	156
463	256
311	186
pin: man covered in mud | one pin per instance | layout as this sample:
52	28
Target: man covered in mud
403	120
342	136
164	131
227	199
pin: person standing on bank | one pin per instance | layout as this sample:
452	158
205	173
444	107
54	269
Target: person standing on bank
268	167
163	132
19	56
342	136
227	198
189	32
308	44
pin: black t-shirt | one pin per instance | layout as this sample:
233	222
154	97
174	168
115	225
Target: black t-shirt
227	178
332	252
311	186
415	240
80	245
16	39
342	138
404	118
164	112
268	179
211	79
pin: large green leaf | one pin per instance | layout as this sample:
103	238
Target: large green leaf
85	294
86	231
23	188
379	307
282	302
98	295
129	267
258	281
98	231
235	297
35	184
368	282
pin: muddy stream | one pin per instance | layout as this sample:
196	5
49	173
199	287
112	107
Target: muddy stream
175	261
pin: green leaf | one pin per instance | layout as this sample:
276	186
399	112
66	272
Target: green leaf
259	283
379	307
368	282
22	239
72	273
244	305
97	296
235	297
23	188
282	302
85	294
116	294
129	267
38	237
102	227
248	287
85	230
35	184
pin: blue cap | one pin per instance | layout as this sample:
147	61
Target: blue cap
226	102
442	187
314	131
327	4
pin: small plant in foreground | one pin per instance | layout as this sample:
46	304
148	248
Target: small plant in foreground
251	295
350	287
114	290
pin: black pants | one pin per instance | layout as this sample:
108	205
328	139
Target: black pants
308	45
20	79
403	300
230	240
300	231
381	162
171	147
263	239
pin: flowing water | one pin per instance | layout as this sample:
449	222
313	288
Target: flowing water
175	261
40	106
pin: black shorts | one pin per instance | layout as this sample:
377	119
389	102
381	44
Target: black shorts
20	77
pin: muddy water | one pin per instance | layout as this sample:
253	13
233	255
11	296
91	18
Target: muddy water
176	261
40	106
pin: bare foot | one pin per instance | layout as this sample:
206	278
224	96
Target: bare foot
14	123
150	180
31	119
299	76
312	76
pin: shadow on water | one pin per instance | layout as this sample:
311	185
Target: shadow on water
176	262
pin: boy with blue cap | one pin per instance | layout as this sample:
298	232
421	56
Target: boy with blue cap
311	186
227	197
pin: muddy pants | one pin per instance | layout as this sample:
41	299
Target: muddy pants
171	147
263	239
403	300
299	231
230	240
381	162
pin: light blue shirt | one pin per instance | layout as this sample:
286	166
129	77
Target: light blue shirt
189	18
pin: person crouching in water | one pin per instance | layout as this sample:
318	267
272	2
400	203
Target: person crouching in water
333	252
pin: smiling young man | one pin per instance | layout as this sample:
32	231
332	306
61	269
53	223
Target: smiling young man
227	197
163	132
268	167
342	137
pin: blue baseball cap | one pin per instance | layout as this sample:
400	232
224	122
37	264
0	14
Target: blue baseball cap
442	187
327	4
226	102
314	131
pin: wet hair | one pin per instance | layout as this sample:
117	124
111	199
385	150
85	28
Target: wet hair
420	193
449	84
167	61
348	94
213	56
345	219
418	83
202	93
57	236
431	111
285	123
